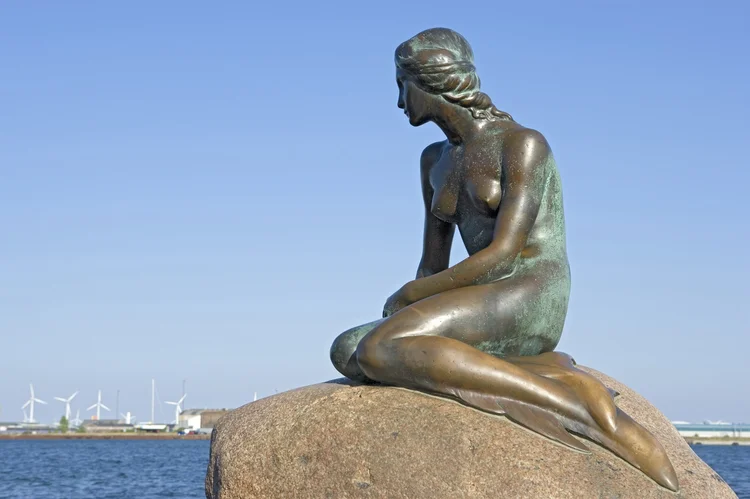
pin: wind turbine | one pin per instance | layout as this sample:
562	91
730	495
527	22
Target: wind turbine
77	421
99	406
128	417
67	404
30	404
177	409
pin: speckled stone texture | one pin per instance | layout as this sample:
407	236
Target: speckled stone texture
336	440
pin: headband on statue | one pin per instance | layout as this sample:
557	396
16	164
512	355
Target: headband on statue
432	61
449	68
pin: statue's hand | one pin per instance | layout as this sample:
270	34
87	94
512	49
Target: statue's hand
397	301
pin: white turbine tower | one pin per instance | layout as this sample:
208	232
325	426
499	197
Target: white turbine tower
177	409
67	404
128	417
30	404
99	406
77	421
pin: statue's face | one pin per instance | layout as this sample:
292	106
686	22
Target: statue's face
412	99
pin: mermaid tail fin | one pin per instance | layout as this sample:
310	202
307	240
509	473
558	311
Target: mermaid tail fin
636	445
597	398
583	405
481	401
542	422
533	418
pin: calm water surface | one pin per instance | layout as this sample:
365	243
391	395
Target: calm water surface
39	469
732	462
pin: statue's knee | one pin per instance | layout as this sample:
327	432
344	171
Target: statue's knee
370	357
344	357
341	351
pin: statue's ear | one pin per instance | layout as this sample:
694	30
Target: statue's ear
614	393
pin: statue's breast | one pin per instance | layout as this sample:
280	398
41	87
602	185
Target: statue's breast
485	194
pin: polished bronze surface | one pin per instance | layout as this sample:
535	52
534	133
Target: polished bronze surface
483	331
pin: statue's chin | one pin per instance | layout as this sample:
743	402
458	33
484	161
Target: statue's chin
415	123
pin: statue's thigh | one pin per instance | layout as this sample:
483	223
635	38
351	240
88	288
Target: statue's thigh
472	315
510	317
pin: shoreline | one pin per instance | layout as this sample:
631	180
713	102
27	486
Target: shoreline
717	441
692	441
104	436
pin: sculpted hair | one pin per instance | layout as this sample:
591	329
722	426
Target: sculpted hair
441	62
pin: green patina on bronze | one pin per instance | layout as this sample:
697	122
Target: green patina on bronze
483	331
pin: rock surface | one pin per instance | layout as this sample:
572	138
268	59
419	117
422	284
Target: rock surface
337	440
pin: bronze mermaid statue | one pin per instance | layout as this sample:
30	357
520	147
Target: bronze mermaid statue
483	331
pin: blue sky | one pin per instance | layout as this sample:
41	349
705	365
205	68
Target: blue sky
214	192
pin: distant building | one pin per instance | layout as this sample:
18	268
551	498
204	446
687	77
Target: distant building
15	427
195	419
106	426
151	427
713	430
11	427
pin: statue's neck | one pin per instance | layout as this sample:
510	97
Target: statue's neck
458	124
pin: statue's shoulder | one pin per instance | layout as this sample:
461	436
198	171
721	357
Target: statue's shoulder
431	154
525	148
526	138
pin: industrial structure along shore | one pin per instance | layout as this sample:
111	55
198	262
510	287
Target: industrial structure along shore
103	436
714	433
196	423
717	441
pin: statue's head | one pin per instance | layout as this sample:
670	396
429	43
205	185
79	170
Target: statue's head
439	63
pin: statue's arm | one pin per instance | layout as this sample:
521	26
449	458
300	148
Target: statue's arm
438	235
524	164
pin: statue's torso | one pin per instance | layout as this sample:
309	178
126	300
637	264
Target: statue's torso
468	184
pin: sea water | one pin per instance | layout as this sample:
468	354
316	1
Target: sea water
41	469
